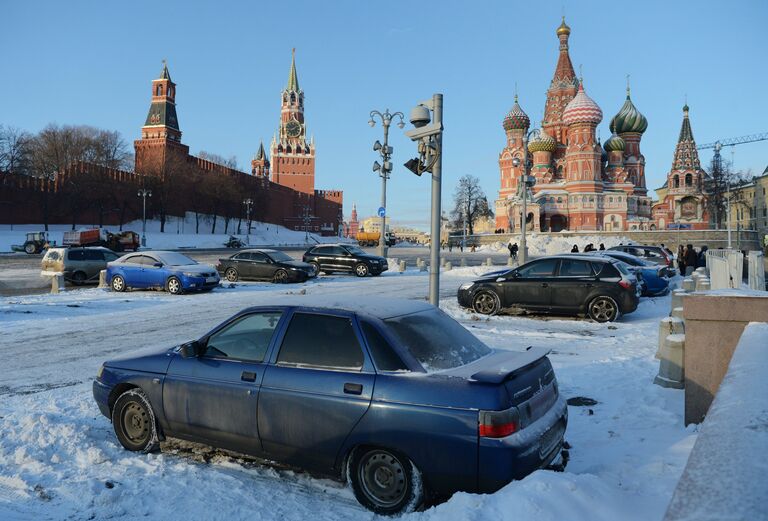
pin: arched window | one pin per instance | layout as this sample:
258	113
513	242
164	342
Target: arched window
559	199
676	181
158	91
293	98
688	180
610	199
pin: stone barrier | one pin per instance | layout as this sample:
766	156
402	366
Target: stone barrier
668	326
702	284
677	298
489	262
671	356
463	263
57	283
448	266
689	284
103	279
402	266
678	313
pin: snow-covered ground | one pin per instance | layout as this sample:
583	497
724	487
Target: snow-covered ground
59	458
179	233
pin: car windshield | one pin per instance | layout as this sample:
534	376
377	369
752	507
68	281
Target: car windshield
436	340
279	256
355	250
172	258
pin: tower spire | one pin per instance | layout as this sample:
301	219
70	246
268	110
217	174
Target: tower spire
293	79
686	155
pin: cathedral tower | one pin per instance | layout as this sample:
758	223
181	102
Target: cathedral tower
562	90
293	156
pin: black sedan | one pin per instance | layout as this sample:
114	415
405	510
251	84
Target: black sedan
265	264
599	287
346	258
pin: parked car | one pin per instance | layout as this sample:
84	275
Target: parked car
78	265
392	394
654	276
169	270
264	264
654	254
330	258
599	287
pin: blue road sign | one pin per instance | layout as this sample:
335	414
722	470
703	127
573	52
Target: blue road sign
382	212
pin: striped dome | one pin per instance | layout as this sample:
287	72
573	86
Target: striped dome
582	109
615	144
516	119
628	119
542	143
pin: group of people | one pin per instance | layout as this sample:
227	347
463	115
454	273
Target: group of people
588	248
688	259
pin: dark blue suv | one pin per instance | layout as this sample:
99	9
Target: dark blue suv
393	394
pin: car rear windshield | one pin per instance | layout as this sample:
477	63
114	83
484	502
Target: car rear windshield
175	259
622	267
437	341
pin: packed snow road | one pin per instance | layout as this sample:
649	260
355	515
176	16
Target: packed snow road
59	458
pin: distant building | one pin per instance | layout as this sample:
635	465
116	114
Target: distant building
749	205
373	224
354	225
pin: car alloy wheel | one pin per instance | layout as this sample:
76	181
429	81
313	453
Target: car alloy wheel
385	482
118	283
486	303
361	270
281	276
231	275
316	266
173	286
134	421
603	309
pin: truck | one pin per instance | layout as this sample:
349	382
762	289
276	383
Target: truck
372	238
120	241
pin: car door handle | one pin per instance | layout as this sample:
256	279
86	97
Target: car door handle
353	388
544	285
248	376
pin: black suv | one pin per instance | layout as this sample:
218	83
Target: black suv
601	288
345	257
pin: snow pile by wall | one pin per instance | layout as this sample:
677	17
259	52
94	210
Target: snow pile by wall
553	244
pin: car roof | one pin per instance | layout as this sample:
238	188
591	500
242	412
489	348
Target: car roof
258	250
377	307
582	256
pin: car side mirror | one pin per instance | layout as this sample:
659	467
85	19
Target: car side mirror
158	265
191	349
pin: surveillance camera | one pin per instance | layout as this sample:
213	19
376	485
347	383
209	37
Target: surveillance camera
424	131
420	116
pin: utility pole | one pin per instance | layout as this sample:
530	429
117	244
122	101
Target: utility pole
144	193
248	204
525	182
384	169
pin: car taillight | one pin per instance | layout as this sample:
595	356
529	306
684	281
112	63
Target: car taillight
625	284
497	424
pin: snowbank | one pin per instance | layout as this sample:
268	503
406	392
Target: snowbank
552	244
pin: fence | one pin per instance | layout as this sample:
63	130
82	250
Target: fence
725	268
756	270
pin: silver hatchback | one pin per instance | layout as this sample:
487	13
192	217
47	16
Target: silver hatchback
79	265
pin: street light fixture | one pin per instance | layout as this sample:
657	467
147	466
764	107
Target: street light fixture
384	169
526	182
248	204
144	193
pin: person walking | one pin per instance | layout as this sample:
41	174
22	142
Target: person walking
690	259
509	247
575	249
450	246
681	259
602	247
513	251
701	261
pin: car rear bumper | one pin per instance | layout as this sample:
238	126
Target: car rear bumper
501	460
629	301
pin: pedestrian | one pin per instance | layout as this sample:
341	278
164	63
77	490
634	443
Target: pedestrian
690	259
450	246
461	246
602	247
701	262
575	249
681	259
514	251
473	248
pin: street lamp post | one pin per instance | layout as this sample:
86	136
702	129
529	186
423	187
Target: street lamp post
384	169
525	182
144	193
248	204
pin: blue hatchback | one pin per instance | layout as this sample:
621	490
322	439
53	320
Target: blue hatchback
655	282
394	395
169	270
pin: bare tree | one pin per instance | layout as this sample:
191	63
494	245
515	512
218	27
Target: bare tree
231	162
470	203
14	150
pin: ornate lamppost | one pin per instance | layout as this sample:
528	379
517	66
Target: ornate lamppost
384	169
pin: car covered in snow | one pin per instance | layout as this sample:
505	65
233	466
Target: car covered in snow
392	395
600	287
168	270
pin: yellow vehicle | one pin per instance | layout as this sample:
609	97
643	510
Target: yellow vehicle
372	238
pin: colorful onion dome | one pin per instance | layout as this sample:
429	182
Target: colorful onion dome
628	119
563	29
615	144
542	143
582	109
516	119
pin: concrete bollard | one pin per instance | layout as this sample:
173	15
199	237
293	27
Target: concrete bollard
489	262
702	271
442	261
703	284
677	298
668	326
463	263
671	368
57	283
423	266
418	262
678	313
511	262
402	266
688	284
448	266
103	279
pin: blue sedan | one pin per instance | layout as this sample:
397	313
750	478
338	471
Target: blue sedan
400	399
172	271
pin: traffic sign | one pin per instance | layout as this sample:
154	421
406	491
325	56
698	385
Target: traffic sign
382	212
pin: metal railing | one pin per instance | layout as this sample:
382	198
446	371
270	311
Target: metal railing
725	267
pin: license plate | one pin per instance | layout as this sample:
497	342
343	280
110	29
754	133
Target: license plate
210	279
550	439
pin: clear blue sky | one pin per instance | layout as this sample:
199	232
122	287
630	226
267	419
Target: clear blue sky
92	63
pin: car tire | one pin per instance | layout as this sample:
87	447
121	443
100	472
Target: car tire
385	482
78	278
317	267
486	303
118	284
134	422
280	277
173	286
231	275
361	270
603	309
